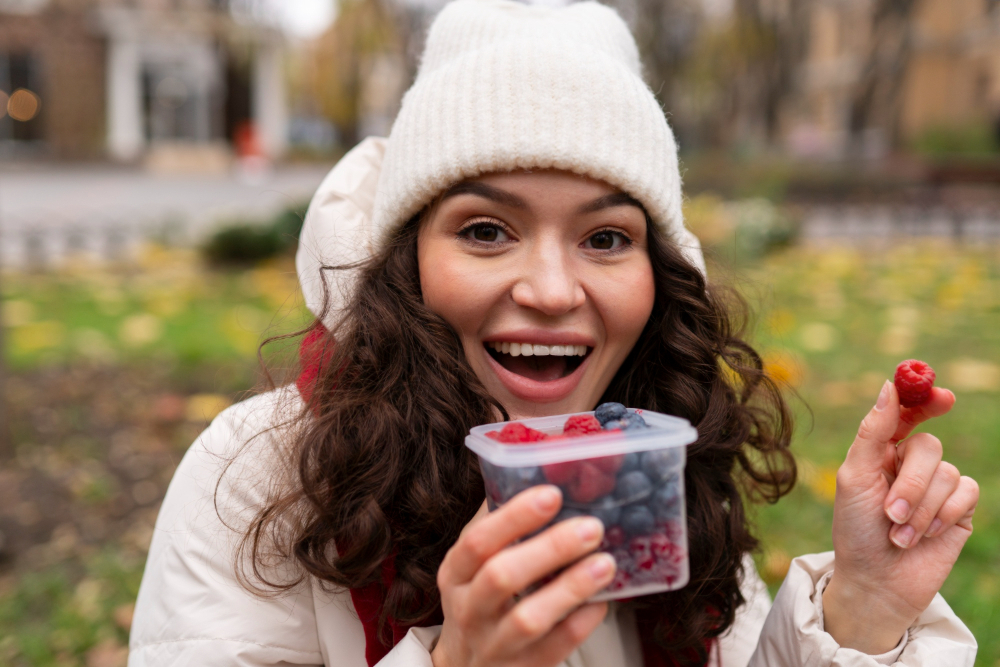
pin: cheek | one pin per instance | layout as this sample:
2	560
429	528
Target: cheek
625	302
453	289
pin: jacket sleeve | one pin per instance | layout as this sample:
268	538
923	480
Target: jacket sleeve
191	610
793	634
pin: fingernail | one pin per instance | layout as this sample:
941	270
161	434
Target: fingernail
589	530
547	498
601	567
899	511
883	397
933	528
902	536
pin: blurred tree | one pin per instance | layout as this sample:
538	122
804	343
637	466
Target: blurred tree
343	58
722	79
878	93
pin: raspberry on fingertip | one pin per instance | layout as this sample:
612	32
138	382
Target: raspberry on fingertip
914	380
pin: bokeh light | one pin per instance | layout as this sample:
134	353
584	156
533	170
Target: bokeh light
4	98
23	105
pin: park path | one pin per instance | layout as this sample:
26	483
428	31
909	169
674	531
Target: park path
49	211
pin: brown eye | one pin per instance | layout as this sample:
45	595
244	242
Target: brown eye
607	240
485	233
602	241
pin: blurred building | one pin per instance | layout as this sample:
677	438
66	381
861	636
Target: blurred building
171	82
878	74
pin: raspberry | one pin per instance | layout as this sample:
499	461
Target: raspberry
614	536
590	484
581	425
516	432
561	473
913	381
609	464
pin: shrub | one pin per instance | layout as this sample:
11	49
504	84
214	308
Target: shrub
247	243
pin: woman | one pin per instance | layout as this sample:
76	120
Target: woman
528	194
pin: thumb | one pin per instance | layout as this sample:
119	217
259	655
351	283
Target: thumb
876	431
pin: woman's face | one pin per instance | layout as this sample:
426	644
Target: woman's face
548	266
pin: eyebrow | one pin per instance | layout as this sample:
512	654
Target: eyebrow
479	189
609	201
511	200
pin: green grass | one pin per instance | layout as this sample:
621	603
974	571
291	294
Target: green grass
169	309
833	323
837	322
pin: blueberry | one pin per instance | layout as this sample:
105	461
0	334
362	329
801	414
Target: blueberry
661	463
630	462
568	513
606	412
515	480
637	520
633	486
666	499
630	422
623	560
607	510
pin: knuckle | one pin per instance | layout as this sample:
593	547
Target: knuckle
577	632
950	473
972	485
866	430
913	485
496	577
928	444
476	543
922	516
844	478
564	541
524	623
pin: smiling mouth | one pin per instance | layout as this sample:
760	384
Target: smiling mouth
541	363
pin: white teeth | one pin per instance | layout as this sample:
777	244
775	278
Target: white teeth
528	349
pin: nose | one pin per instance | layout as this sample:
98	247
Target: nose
548	283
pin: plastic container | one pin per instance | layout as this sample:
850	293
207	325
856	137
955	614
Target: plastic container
633	481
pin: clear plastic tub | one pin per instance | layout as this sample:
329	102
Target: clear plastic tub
633	481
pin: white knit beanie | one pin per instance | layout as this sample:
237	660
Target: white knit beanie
505	86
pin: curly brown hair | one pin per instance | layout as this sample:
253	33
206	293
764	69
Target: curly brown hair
381	470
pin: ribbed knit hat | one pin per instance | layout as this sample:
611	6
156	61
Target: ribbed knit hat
505	86
502	86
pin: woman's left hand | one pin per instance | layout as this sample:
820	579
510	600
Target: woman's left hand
900	519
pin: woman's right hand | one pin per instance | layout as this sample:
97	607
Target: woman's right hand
480	575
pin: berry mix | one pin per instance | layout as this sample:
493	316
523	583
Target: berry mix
638	496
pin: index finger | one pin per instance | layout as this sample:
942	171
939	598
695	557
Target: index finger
482	538
940	403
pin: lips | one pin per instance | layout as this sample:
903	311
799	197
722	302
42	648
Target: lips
540	379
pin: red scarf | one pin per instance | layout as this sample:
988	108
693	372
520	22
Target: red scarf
369	600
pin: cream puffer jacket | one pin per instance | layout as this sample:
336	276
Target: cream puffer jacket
192	610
